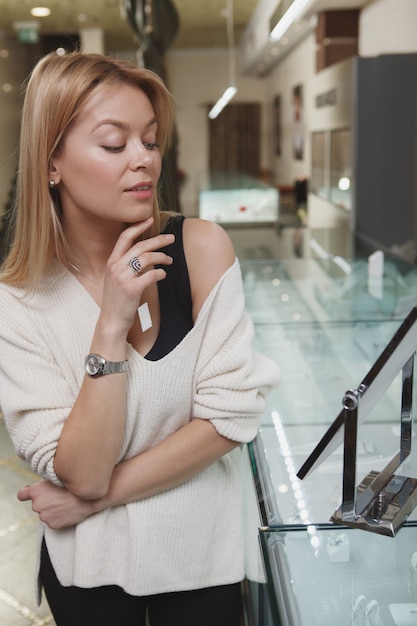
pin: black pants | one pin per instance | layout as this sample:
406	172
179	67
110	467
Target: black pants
111	606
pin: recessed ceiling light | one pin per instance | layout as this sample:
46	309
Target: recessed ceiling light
40	11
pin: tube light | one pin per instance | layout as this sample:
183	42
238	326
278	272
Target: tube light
222	102
288	19
40	11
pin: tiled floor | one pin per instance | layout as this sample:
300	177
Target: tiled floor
18	542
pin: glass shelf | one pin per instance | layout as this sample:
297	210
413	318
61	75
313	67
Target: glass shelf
325	576
325	290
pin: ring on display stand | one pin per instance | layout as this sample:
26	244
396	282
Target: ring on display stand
372	614
358	610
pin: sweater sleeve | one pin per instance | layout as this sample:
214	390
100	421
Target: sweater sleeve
34	396
232	378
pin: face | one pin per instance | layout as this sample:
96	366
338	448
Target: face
110	163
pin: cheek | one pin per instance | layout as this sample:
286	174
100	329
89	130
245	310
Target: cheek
91	170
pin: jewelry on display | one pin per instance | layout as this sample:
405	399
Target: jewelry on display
85	275
51	184
372	614
144	317
135	265
358	611
338	549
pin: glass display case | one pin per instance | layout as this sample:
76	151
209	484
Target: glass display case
327	576
325	327
332	166
237	199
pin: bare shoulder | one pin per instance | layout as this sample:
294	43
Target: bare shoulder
209	253
207	240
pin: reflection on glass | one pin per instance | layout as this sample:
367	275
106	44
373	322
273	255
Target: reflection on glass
318	179
340	168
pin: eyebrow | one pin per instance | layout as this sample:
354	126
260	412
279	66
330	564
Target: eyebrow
121	125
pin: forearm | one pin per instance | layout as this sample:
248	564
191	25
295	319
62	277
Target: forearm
175	460
92	435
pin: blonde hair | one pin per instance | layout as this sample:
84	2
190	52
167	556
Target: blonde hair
57	90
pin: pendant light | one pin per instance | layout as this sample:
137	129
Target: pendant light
231	90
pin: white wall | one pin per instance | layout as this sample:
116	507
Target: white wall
388	27
296	69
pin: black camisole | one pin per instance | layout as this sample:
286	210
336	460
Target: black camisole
174	296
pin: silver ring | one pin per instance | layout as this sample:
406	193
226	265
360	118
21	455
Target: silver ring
136	266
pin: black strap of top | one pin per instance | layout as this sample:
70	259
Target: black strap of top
174	296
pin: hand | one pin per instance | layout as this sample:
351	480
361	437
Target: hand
122	289
56	506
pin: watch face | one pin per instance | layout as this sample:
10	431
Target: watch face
94	365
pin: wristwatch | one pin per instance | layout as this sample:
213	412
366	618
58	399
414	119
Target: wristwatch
95	366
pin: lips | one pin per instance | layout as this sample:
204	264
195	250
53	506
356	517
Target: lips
141	192
140	187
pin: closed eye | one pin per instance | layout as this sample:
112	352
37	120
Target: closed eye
113	148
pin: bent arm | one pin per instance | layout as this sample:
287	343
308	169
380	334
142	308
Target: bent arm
175	460
92	435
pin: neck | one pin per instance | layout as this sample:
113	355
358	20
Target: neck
90	245
81	273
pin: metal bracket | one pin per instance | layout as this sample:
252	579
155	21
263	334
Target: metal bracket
383	500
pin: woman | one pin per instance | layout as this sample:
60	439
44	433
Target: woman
127	374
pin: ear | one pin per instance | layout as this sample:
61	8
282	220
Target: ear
54	173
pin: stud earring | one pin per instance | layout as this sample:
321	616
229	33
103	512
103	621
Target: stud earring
51	184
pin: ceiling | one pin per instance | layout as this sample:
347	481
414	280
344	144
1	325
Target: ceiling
202	23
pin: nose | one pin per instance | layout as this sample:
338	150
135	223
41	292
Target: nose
141	157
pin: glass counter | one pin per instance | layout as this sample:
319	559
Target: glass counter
325	327
237	199
327	576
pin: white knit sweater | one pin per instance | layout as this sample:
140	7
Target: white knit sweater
187	537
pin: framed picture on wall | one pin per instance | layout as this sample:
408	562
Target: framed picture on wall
277	124
298	122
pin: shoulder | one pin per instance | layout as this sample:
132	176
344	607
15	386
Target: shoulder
209	253
9	294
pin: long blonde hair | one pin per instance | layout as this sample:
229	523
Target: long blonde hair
57	89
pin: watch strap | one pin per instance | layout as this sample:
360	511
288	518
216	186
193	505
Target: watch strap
114	367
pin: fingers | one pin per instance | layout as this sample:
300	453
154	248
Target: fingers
23	494
140	261
138	264
128	245
134	266
147	253
129	236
